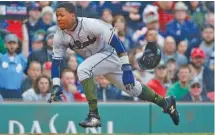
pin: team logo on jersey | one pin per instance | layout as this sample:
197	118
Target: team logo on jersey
79	45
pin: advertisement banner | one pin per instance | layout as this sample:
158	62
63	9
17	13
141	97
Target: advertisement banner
116	118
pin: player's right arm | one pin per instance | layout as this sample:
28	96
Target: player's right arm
59	50
58	53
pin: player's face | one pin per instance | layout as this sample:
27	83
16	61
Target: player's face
65	19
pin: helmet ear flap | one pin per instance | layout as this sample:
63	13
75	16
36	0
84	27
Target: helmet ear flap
151	57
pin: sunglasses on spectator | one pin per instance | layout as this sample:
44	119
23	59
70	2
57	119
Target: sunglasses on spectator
196	86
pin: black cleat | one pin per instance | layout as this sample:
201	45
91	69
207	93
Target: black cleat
92	120
171	109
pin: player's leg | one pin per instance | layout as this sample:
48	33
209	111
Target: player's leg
145	93
140	91
98	64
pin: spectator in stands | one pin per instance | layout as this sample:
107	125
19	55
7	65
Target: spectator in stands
201	72
106	91
30	26
45	54
196	13
12	67
107	16
47	68
159	82
46	20
40	91
209	19
43	4
72	65
70	92
171	70
84	9
169	51
195	91
121	30
182	47
181	87
165	13
34	70
115	6
181	28
133	10
207	45
150	19
37	43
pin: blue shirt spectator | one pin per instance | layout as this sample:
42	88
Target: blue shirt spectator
11	71
181	28
106	91
12	66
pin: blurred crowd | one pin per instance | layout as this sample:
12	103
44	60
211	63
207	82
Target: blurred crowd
184	32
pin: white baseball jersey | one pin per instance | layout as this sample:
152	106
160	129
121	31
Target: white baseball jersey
89	37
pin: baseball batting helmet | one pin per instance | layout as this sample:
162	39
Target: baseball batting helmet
151	56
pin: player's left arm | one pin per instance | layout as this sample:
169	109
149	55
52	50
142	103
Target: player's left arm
107	33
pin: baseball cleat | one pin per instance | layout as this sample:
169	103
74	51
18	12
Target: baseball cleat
171	109
92	120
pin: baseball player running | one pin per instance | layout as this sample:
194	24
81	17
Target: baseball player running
104	55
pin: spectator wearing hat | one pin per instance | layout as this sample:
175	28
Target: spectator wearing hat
200	71
180	88
165	13
195	91
46	20
182	28
33	71
37	43
45	53
160	82
151	21
169	51
12	66
31	25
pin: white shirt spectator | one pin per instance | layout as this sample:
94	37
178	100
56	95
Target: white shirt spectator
31	95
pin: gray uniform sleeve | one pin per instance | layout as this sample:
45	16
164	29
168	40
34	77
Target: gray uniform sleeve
59	47
101	29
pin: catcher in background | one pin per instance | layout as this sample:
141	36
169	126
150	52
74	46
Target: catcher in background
104	55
